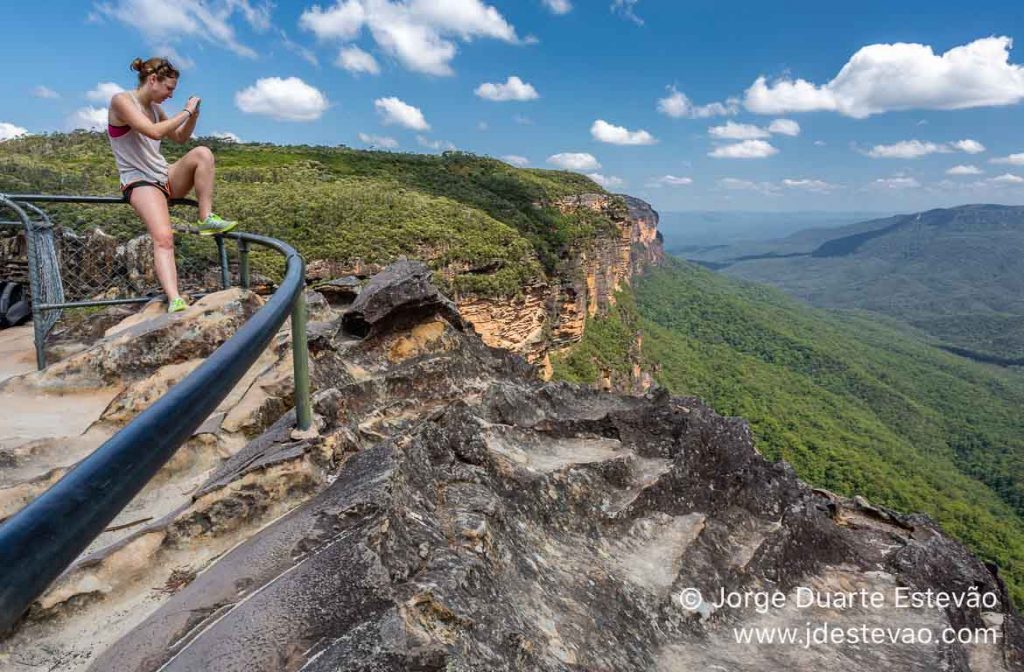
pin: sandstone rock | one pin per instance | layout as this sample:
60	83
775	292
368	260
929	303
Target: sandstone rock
97	262
401	291
137	259
515	324
417	558
327	269
340	291
456	513
13	256
317	307
149	341
550	318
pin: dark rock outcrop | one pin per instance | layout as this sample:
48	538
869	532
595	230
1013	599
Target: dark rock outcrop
402	291
476	518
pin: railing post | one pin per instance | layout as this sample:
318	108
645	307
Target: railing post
225	279
243	263
300	362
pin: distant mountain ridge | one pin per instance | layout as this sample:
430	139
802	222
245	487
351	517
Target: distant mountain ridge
687	231
955	273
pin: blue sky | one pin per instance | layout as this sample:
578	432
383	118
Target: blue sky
688	105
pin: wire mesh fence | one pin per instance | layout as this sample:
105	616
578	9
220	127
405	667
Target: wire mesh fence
96	266
83	252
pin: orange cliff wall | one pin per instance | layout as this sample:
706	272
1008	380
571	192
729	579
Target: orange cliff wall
551	317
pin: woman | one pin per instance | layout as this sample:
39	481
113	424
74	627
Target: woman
136	125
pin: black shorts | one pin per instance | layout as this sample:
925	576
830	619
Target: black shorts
126	190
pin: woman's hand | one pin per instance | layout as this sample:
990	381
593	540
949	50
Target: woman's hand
193	105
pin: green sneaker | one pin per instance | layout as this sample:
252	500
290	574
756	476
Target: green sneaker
176	305
214	224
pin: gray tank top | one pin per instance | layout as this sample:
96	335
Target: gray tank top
137	156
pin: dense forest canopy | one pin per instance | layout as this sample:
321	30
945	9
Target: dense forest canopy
461	212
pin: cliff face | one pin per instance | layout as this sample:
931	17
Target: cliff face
549	316
457	514
552	317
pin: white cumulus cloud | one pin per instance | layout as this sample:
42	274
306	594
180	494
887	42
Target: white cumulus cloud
517	161
419	34
1012	159
606	181
574	161
969	146
9	131
733	131
819	186
513	89
343	21
670	181
914	149
602	131
45	92
677	105
1007	178
896	183
395	111
179	60
907	149
436	145
730	130
748	149
558	6
226	135
164	23
737	184
103	92
785	127
356	60
88	118
886	77
964	170
383	141
289	99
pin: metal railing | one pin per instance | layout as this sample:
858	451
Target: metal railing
45	537
50	275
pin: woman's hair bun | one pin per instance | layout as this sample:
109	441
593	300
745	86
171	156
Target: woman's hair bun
158	66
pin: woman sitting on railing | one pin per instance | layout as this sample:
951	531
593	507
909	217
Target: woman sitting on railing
136	125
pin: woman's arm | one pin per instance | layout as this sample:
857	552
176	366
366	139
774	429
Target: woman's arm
126	110
183	132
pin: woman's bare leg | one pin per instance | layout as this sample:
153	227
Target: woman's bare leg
196	169
151	206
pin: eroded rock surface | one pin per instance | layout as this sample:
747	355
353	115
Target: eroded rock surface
457	513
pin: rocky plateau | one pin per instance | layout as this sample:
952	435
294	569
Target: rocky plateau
456	512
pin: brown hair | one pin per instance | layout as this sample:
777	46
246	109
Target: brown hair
160	67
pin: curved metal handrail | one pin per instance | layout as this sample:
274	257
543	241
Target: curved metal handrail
40	541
